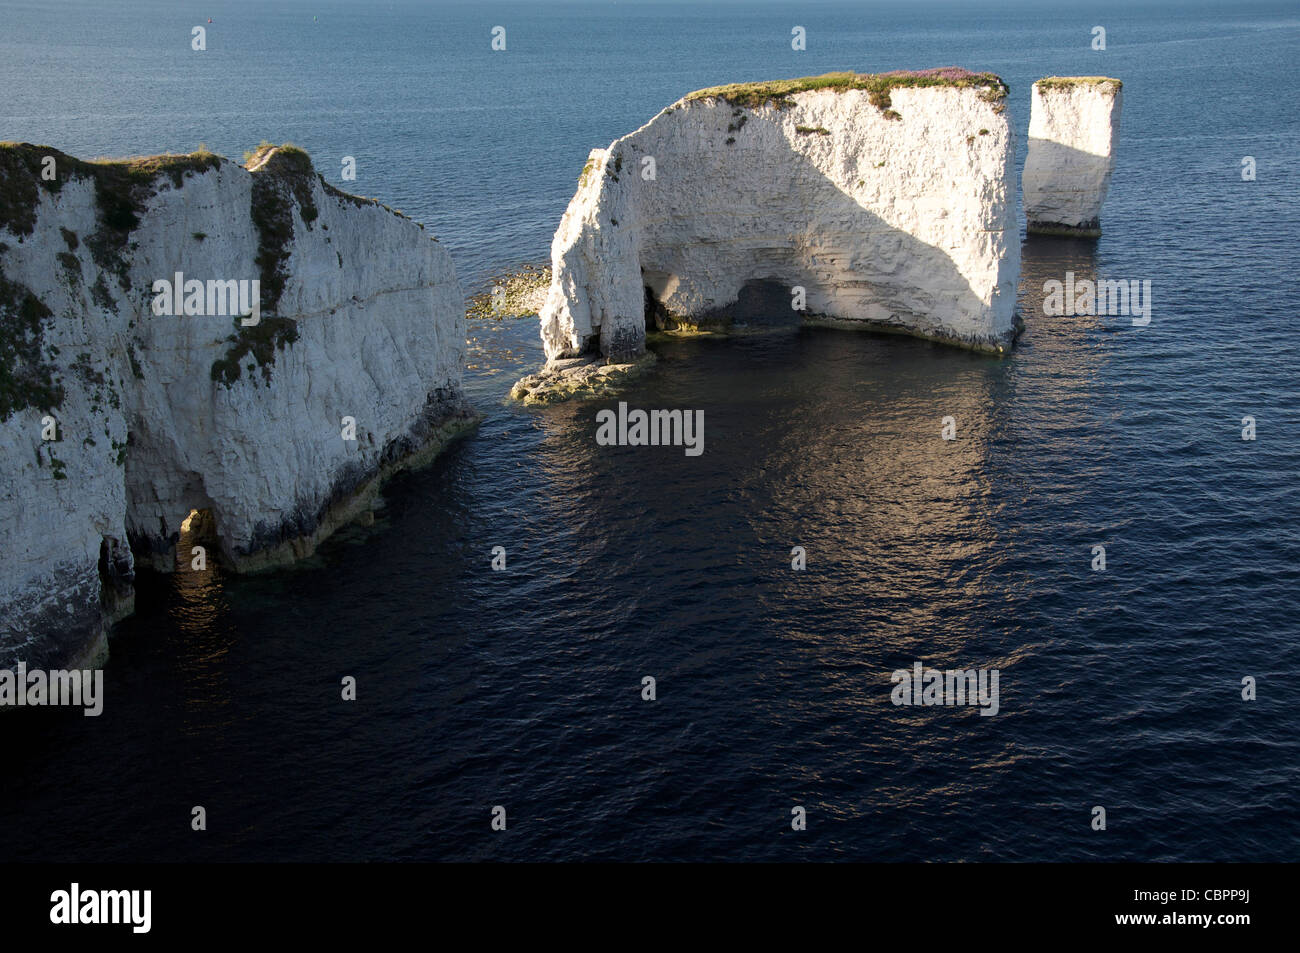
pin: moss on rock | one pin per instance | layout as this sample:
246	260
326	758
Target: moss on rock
27	379
581	378
521	294
1066	82
122	187
259	342
778	92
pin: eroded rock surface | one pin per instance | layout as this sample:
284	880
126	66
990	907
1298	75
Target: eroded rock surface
1073	135
156	415
881	201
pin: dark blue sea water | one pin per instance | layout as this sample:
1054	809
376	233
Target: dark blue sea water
522	688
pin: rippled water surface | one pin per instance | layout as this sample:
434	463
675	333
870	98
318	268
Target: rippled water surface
522	688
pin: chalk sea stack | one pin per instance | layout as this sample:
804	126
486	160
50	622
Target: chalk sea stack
1073	134
239	417
866	200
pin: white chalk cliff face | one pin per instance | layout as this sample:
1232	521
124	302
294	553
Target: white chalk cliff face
898	214
1073	134
159	414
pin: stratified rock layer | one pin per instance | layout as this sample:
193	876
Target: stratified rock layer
1073	134
885	199
159	414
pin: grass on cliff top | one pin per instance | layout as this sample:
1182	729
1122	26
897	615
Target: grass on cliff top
778	92
121	185
1064	82
288	158
173	164
292	160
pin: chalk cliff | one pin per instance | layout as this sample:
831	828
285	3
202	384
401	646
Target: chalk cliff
156	415
886	198
1073	134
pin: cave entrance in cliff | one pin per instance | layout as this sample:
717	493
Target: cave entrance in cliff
116	578
766	303
198	531
655	313
171	578
198	583
192	595
761	303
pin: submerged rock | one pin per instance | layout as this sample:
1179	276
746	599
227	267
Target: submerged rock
519	294
209	405
578	377
872	200
1073	134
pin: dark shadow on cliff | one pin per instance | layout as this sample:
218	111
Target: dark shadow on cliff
807	254
1060	157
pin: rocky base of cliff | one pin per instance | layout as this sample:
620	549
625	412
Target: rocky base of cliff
578	377
983	345
1090	229
357	501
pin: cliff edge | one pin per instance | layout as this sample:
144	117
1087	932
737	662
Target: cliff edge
181	333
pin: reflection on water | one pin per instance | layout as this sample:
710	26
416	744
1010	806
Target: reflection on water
1049	258
522	686
199	611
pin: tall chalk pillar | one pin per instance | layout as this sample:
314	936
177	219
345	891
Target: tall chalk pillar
1073	134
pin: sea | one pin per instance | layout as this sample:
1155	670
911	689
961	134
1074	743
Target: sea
1162	689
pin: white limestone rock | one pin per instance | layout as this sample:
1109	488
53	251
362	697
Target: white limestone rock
161	414
895	214
1073	135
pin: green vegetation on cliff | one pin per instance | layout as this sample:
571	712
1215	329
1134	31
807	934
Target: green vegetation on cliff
122	188
878	86
258	342
282	177
26	376
1065	82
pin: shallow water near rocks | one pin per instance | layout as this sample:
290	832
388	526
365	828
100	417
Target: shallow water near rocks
522	687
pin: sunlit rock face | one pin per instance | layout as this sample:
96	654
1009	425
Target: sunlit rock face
1073	134
891	210
157	414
